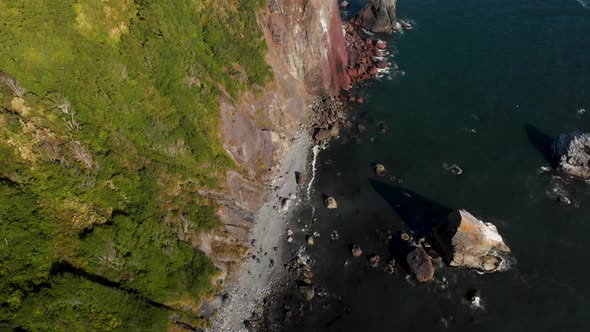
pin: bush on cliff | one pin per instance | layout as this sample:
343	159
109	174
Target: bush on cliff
108	129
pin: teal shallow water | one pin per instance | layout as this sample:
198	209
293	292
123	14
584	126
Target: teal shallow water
495	66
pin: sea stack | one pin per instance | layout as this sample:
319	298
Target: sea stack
469	242
378	16
572	154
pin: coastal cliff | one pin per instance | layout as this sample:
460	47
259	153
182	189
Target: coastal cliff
308	57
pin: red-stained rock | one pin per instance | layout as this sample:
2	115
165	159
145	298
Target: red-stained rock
360	100
365	77
373	71
380	45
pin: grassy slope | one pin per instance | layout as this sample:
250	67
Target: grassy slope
102	157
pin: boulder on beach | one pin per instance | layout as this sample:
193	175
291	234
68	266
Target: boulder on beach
378	16
321	135
300	178
330	202
467	241
572	154
420	264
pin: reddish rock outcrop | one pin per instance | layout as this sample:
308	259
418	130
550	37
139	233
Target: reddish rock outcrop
307	36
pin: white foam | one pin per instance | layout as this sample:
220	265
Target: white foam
316	151
584	3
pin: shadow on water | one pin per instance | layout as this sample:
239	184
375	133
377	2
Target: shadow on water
541	141
418	213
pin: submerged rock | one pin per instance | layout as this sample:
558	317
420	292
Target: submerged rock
420	264
572	153
330	202
378	16
469	242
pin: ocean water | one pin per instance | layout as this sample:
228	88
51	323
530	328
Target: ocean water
486	84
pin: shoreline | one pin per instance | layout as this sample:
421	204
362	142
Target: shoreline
261	274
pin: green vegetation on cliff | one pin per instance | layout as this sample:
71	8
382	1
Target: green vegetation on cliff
108	129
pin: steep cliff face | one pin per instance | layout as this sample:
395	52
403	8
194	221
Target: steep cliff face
307	36
308	56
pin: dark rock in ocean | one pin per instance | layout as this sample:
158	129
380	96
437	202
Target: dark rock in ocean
406	25
374	261
307	291
378	16
564	201
572	152
380	170
361	128
420	264
405	236
330	202
356	250
469	242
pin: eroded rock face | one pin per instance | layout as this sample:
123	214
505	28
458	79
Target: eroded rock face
378	16
420	264
469	242
307	36
572	152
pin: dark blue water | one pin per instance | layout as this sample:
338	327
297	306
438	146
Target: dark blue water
514	71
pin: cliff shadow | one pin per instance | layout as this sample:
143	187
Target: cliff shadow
541	141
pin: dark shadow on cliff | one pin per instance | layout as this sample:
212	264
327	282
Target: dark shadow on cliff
541	141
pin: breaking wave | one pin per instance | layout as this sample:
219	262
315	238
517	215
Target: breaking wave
584	3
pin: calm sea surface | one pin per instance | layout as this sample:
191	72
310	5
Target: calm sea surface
486	82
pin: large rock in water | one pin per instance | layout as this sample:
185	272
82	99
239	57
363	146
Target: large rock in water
378	16
572	153
420	264
469	242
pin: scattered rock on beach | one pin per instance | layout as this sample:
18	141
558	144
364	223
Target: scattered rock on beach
420	264
356	250
300	178
330	202
380	170
469	242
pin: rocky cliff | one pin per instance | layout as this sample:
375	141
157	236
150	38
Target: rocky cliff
378	16
308	57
